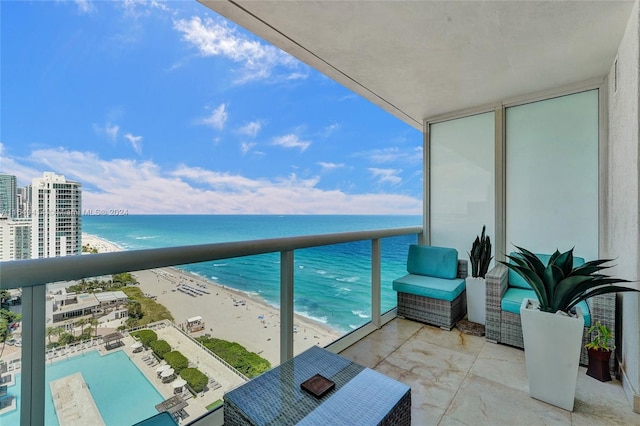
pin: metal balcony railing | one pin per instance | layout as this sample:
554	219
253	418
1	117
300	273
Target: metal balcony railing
32	275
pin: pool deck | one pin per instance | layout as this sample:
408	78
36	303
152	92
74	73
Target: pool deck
197	358
73	401
81	398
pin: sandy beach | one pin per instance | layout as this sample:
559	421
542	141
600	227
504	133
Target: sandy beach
228	314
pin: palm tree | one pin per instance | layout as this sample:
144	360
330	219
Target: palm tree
50	331
94	323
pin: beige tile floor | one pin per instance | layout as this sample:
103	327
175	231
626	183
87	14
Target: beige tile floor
458	379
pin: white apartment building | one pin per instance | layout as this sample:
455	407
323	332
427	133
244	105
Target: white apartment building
56	216
15	239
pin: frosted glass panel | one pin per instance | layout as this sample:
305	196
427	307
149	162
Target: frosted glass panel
462	181
552	175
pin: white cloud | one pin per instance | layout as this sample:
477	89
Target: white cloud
386	175
135	142
330	129
330	166
137	8
111	131
218	117
109	184
250	129
246	147
259	61
291	141
393	155
84	6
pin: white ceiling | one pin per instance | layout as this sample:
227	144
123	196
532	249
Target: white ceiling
420	59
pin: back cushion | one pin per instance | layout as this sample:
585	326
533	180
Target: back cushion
515	280
439	262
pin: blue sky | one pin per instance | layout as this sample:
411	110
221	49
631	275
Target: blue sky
166	107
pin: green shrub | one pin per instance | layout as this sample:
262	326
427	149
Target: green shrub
160	348
176	360
248	363
145	336
195	378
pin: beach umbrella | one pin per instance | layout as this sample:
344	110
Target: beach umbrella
162	368
179	383
167	373
136	345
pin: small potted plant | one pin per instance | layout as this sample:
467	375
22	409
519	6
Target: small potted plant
480	257
599	350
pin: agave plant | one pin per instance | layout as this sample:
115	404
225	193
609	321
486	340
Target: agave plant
480	255
559	286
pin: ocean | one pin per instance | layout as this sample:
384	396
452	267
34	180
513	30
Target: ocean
332	283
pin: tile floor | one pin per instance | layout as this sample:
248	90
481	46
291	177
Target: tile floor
458	379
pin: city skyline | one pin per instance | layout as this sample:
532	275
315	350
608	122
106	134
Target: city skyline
165	107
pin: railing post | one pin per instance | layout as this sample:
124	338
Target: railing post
33	359
286	305
376	298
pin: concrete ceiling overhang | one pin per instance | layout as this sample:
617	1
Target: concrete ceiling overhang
420	59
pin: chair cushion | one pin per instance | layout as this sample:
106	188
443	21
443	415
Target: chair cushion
435	288
513	298
439	262
515	280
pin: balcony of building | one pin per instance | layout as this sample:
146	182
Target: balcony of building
455	378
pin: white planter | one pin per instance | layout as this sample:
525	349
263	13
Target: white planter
552	344
476	299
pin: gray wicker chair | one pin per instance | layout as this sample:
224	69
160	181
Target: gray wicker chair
505	327
441	313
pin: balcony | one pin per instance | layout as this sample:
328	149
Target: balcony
454	377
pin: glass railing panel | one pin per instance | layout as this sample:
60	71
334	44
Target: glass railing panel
10	356
332	295
394	265
106	331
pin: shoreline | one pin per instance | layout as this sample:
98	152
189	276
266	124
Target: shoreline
228	313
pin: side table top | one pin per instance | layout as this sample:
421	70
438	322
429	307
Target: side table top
275	397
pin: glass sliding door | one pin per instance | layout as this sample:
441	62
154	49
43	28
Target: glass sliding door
462	189
552	175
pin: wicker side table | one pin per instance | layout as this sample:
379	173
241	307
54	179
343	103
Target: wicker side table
361	396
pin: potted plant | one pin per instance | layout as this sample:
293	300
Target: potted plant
552	333
480	258
599	350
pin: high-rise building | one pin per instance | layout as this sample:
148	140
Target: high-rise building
24	202
8	196
15	238
56	216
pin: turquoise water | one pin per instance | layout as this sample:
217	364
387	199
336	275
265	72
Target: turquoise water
332	283
121	392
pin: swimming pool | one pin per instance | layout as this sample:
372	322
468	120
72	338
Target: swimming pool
121	392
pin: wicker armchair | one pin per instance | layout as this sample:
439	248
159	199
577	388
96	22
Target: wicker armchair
442	313
505	327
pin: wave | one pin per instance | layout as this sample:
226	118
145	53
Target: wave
345	289
361	314
322	319
213	277
151	237
321	272
217	265
348	280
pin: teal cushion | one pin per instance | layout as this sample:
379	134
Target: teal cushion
435	288
515	280
513	298
439	262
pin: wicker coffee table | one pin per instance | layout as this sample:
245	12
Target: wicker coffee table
361	396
